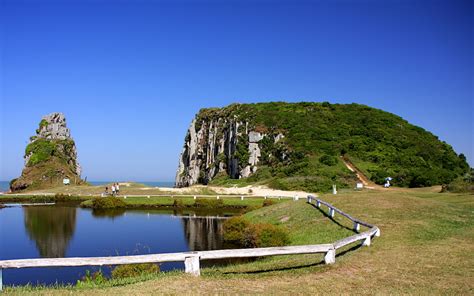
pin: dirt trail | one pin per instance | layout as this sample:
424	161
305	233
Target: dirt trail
362	178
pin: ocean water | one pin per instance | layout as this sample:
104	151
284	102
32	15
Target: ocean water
5	185
167	184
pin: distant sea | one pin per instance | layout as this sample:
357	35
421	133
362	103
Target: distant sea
5	185
168	184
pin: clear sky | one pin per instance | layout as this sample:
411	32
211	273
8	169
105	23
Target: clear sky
130	75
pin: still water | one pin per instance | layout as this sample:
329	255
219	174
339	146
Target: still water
69	231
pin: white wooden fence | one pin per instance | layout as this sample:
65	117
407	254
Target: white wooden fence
192	259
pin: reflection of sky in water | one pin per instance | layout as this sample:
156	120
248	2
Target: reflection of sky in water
75	232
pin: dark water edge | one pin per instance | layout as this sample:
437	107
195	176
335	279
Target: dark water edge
68	231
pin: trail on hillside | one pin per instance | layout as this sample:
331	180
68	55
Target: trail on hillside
362	178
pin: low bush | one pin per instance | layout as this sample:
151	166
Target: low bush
241	231
108	203
97	278
328	160
132	270
265	235
178	203
59	197
209	203
464	184
234	229
268	202
38	199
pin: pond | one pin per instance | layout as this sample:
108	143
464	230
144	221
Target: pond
70	231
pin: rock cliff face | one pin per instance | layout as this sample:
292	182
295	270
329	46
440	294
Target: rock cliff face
49	157
219	146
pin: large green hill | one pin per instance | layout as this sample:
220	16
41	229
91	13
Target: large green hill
317	135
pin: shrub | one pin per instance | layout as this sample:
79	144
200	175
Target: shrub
38	199
97	278
178	203
328	160
209	203
132	270
462	184
268	202
108	203
241	231
59	197
265	235
234	229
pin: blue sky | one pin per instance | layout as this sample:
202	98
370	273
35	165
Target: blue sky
130	75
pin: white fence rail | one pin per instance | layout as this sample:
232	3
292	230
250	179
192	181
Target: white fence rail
192	259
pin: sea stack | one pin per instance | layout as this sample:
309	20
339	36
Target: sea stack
50	157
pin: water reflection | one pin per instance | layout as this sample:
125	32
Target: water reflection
203	233
109	213
51	228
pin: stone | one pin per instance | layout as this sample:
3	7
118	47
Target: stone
255	137
278	137
50	157
210	148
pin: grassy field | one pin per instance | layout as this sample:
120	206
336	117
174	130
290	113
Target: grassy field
128	189
157	201
426	247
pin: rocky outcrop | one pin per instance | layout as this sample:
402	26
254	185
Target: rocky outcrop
219	146
299	146
50	156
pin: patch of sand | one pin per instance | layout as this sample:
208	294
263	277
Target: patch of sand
247	190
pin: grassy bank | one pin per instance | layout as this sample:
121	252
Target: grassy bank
189	202
128	188
153	202
426	247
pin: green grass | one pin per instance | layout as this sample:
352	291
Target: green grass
425	248
188	201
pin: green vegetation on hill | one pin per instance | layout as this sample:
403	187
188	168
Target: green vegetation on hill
379	143
43	150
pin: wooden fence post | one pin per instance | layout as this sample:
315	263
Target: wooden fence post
330	257
377	233
191	265
366	241
356	226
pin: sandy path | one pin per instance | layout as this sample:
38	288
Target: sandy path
247	190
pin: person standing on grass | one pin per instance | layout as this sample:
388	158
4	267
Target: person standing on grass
117	188
113	189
